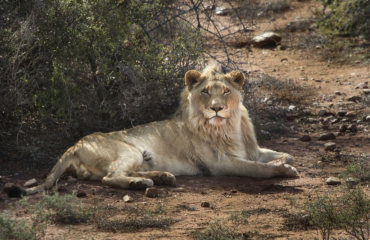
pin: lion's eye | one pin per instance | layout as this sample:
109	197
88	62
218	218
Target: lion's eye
227	91
205	91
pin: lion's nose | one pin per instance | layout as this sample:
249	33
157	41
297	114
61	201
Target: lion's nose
217	108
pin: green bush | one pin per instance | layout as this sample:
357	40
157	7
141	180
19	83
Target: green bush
348	211
346	17
15	229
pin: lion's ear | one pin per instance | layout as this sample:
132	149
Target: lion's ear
191	78
238	78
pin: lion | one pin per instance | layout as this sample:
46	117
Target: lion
211	133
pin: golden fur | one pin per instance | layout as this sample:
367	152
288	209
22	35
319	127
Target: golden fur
211	133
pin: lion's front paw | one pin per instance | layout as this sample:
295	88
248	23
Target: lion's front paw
141	183
286	170
285	159
164	178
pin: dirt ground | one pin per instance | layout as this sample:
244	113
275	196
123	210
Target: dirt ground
267	202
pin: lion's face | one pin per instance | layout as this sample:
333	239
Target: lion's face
214	95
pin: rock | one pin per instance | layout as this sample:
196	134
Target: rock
151	192
355	99
7	187
291	108
333	181
330	146
205	204
327	136
222	11
81	194
325	126
367	118
351	182
335	120
352	128
342	113
366	91
343	128
128	199
305	138
338	93
350	114
30	183
311	120
266	39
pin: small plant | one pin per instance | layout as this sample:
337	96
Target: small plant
15	229
219	230
61	209
349	211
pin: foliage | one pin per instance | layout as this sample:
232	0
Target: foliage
219	230
64	209
349	211
346	17
92	65
15	229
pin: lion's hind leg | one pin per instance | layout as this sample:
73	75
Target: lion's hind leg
158	177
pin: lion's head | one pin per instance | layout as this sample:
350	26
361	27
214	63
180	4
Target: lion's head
213	97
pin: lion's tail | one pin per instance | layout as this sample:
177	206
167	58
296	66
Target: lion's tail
60	167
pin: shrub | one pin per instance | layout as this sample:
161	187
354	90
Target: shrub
349	211
15	229
346	17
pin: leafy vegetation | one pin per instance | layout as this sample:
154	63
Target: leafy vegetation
348	211
15	229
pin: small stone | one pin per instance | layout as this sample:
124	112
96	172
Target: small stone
367	118
335	120
352	128
325	127
291	108
343	128
333	181
266	39
151	192
30	183
7	187
338	93
351	182
327	136
366	91
205	204
350	114
330	146
234	191
342	113
305	138
355	99
311	120
222	11
81	194
128	199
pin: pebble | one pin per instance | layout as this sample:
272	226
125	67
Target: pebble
305	138
128	199
327	136
81	194
342	113
30	183
351	182
7	187
350	114
355	99
367	118
352	128
333	181
330	146
151	192
343	128
205	204
71	179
